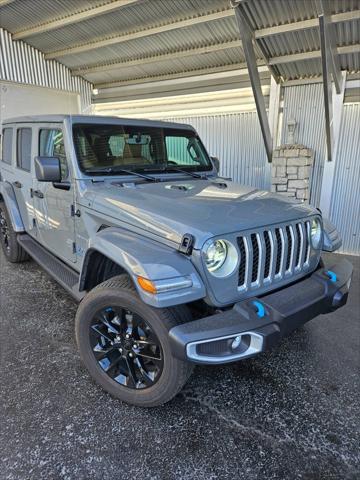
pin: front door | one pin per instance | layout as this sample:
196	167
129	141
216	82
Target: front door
53	202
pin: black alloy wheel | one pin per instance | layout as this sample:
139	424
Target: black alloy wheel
126	348
125	345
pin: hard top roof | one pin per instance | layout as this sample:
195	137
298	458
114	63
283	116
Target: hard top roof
95	119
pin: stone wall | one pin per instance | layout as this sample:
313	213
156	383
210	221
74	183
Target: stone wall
291	171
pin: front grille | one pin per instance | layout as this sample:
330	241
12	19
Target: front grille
272	254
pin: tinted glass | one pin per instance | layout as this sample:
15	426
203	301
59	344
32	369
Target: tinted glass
24	148
51	144
7	145
138	148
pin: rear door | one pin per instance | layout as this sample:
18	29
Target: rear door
54	202
22	177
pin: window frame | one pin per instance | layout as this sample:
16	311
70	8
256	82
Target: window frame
20	166
65	180
3	145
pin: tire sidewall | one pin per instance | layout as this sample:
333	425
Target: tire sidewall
10	253
127	299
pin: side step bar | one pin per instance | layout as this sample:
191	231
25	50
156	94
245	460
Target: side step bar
64	275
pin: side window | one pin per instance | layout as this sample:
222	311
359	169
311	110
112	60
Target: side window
51	144
7	140
23	149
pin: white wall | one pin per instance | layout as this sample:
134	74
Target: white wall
18	100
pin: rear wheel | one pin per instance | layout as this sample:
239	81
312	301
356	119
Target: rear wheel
124	344
8	238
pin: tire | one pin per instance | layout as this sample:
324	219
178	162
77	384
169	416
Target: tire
115	299
8	238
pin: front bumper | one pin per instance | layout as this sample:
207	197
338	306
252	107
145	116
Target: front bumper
257	324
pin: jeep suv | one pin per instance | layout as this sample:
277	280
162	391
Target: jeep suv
171	264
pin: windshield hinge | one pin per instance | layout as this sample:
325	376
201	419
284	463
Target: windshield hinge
187	244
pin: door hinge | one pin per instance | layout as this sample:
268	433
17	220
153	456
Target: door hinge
187	244
73	212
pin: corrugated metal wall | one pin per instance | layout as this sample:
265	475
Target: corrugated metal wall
21	63
305	104
345	200
236	140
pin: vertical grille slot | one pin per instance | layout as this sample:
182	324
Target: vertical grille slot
297	244
279	251
255	247
290	247
307	243
242	268
267	253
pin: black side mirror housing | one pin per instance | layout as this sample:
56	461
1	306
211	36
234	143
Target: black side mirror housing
216	163
47	169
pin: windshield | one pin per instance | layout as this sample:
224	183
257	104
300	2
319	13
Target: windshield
99	147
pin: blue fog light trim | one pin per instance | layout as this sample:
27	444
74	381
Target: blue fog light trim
331	275
260	309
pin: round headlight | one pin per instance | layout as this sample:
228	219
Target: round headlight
315	233
221	257
215	255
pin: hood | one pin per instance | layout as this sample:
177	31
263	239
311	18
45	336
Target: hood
202	208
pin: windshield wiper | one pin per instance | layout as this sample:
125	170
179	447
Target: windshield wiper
170	168
115	169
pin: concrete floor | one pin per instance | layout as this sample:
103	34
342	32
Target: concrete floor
290	413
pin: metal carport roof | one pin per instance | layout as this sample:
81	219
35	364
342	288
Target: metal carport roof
123	42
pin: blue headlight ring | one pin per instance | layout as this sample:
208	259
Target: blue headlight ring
332	275
260	308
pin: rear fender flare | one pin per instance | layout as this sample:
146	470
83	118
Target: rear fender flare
8	195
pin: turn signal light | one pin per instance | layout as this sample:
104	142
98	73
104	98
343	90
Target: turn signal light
147	285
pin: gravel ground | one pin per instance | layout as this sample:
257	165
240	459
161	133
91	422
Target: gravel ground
289	413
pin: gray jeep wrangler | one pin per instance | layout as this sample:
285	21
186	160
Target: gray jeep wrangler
171	264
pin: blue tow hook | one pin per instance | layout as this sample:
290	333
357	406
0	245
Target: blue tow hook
260	312
331	275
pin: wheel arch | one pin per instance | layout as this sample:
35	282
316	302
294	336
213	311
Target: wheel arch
114	251
7	195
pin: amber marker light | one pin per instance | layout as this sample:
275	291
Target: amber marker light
147	285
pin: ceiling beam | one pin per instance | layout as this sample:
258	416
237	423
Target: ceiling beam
72	18
261	33
246	35
314	54
294	57
156	58
223	70
140	34
305	24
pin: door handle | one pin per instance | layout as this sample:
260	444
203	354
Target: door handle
37	193
17	184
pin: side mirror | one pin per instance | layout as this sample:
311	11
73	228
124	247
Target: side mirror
216	163
48	169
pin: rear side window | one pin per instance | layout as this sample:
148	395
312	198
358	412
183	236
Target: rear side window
7	145
23	157
51	144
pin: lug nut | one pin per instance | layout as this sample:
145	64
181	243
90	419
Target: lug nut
127	335
120	350
131	354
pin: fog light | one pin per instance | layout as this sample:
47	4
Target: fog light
236	343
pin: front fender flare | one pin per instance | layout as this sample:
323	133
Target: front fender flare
8	195
144	257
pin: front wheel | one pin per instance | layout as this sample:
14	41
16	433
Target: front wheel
124	344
